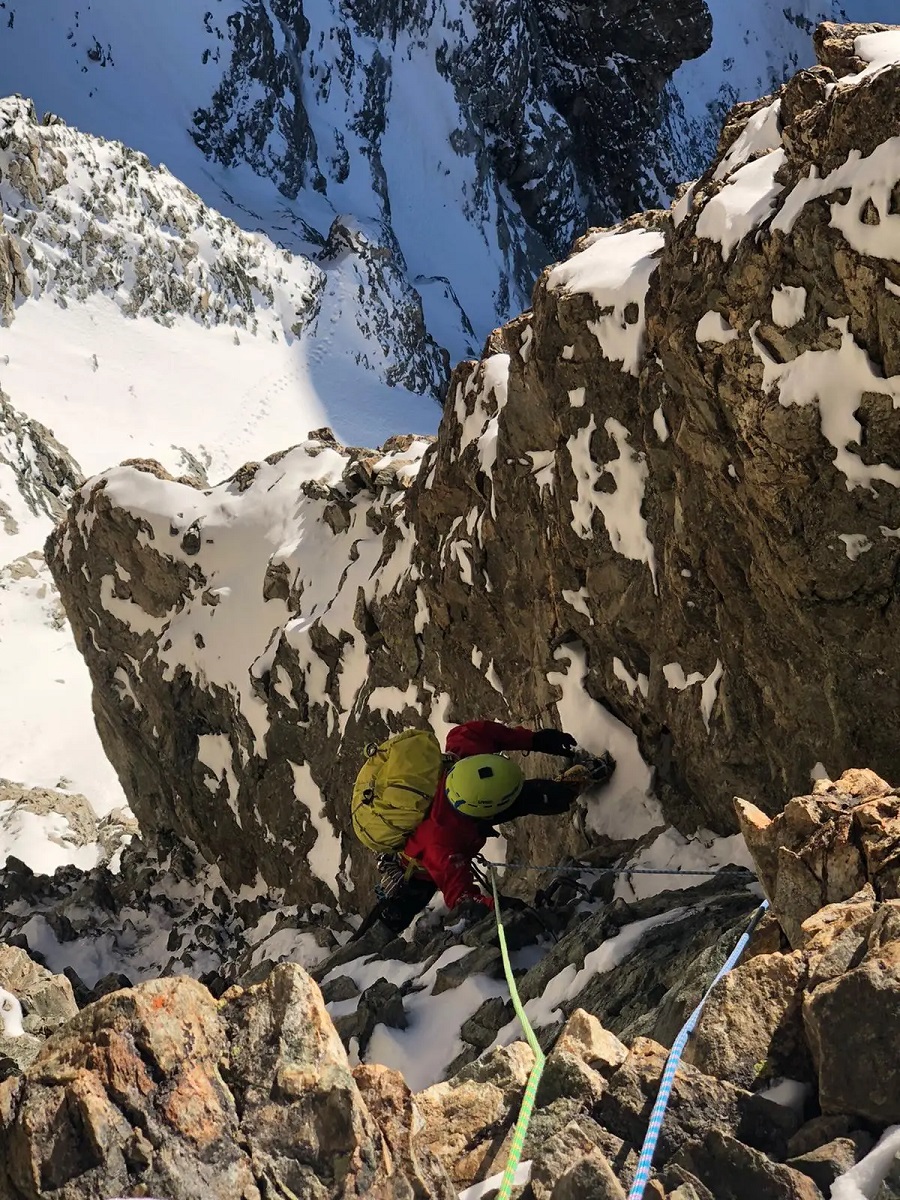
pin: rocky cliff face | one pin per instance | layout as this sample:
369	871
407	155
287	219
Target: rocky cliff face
676	470
788	1082
560	108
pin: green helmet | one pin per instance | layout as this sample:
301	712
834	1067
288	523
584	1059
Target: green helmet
483	785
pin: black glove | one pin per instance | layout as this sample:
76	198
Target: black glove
512	904
553	741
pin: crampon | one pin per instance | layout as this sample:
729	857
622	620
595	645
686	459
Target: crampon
589	770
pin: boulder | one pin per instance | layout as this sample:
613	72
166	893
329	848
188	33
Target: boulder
160	1089
584	1036
466	1127
47	999
838	844
579	1144
592	1177
505	1067
393	1108
852	1028
733	1171
127	1095
698	1104
33	1002
751	1028
827	1162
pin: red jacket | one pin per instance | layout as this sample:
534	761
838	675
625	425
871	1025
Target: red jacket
447	841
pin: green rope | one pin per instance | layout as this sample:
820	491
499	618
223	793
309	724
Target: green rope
534	1078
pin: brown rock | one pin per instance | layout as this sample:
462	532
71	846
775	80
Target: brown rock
687	1191
558	1155
584	1036
393	1108
818	1131
688	1187
683	1183
590	1177
877	824
506	1067
294	1088
698	1103
838	937
767	938
464	1127
48	998
824	1164
755	825
733	1171
68	1125
824	926
567	1075
857	784
751	1028
159	1090
834	45
853	1031
824	848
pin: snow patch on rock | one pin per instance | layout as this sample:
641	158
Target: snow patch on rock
614	269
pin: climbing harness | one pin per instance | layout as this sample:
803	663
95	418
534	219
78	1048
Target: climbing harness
645	1162
534	1078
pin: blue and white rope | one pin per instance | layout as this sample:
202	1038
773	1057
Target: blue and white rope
645	1162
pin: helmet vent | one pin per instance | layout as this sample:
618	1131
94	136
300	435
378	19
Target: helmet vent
485	772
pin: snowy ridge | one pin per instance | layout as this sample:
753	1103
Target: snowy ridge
177	335
835	377
94	216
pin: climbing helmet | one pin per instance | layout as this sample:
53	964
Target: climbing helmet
483	785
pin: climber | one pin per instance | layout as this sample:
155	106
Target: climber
477	788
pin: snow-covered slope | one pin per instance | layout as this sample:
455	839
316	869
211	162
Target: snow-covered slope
139	322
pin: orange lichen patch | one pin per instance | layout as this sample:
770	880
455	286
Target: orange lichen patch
195	1108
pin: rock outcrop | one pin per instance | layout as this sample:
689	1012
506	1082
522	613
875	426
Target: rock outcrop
561	110
676	471
33	1004
68	821
44	472
829	866
161	1089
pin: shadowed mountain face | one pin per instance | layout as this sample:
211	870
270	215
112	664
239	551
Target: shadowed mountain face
474	139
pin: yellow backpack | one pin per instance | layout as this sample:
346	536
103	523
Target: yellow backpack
394	789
